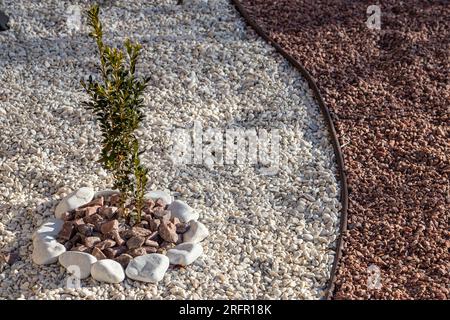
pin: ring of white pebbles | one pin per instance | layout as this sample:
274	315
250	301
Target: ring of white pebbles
271	236
147	268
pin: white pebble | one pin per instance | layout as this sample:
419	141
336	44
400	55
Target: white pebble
185	253
197	232
74	200
108	271
80	260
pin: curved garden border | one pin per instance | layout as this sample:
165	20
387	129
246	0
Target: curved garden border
335	141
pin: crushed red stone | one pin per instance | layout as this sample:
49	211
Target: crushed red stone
388	92
98	229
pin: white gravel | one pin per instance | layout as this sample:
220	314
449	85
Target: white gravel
271	236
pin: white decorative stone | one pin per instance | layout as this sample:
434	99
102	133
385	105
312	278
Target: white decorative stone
46	251
48	230
83	262
197	232
107	270
185	253
148	268
182	211
74	200
159	194
308	237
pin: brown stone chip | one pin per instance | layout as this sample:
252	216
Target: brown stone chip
153	236
108	243
86	229
149	203
149	250
76	238
68	245
115	251
117	238
137	252
89	211
136	231
147	217
96	252
168	232
93	219
151	243
91	241
79	213
154	225
125	233
81	248
109	226
142	224
97	202
70	215
159	212
160	203
78	222
124	259
135	242
67	231
108	212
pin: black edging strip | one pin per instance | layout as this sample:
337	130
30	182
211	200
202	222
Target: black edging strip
331	129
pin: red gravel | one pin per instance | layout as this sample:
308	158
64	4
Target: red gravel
388	92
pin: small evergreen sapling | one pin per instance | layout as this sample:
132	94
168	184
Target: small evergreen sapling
117	103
